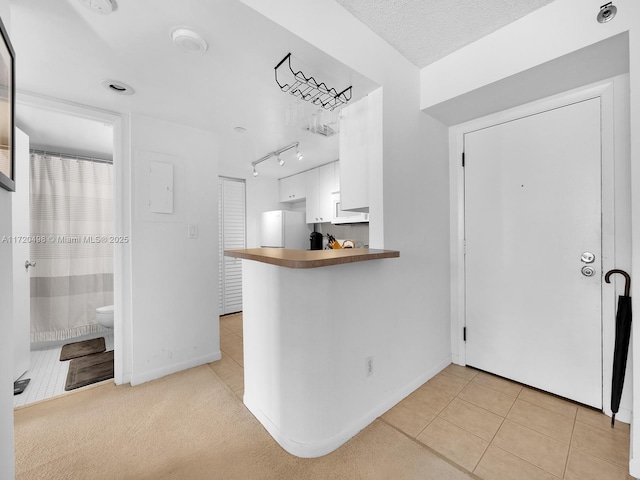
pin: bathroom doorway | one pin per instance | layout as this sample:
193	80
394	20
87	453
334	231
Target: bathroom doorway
72	206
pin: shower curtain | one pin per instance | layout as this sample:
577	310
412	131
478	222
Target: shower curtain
71	222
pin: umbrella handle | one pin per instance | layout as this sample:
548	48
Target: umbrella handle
627	283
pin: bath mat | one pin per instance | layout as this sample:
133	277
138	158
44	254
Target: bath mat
80	349
89	369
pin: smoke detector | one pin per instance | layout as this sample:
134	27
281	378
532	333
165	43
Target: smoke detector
189	40
105	7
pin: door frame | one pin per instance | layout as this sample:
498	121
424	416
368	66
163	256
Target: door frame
603	90
121	215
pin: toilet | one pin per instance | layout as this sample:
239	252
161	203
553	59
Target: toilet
104	316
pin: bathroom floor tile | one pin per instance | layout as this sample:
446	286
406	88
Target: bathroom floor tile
498	464
606	445
48	374
471	418
453	442
548	422
496	402
582	466
533	447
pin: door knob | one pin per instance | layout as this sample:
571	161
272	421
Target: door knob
28	264
588	271
588	257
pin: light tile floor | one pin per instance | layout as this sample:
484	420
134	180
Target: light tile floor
48	374
489	426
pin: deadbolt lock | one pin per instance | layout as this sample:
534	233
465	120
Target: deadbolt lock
588	271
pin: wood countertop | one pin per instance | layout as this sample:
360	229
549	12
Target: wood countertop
284	257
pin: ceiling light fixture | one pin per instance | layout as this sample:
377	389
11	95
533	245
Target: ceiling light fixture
277	153
189	40
607	12
105	7
116	86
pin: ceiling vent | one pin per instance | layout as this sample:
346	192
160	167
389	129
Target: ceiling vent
105	7
116	86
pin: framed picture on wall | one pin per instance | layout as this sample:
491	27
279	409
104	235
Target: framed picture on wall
7	111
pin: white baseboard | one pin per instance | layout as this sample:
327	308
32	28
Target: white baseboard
634	467
142	377
328	445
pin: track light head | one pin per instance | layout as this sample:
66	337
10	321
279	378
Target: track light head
255	172
299	156
280	161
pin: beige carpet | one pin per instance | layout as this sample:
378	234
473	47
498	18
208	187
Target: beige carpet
191	426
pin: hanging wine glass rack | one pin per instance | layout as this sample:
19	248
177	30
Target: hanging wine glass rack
307	88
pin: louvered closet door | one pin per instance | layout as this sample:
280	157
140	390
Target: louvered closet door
231	210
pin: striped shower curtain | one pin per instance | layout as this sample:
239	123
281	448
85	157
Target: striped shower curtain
71	220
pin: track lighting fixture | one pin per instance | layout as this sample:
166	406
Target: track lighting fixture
277	153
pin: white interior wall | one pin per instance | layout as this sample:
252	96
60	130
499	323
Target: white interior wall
174	322
7	461
408	332
568	26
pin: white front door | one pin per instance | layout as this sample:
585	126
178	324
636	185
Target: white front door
532	209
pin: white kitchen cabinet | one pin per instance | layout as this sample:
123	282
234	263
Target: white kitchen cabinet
293	188
320	183
360	146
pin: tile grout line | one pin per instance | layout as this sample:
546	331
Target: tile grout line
440	411
598	457
494	435
429	449
537	431
573	429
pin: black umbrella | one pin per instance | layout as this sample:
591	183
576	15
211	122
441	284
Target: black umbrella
623	334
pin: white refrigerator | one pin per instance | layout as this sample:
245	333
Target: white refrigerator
284	229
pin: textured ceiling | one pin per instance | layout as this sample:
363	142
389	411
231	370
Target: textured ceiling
427	30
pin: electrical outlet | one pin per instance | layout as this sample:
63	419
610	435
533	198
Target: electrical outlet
369	366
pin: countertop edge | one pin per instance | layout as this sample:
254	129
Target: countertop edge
281	260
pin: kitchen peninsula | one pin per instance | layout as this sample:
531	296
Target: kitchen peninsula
308	360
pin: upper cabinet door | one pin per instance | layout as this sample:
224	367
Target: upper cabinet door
360	146
321	183
293	188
